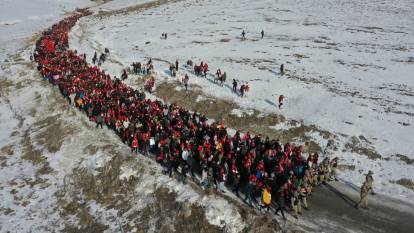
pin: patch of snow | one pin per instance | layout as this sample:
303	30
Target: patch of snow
282	126
200	98
240	113
95	161
237	112
127	172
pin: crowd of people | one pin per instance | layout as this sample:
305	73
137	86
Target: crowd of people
183	142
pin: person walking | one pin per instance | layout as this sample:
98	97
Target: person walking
333	166
95	58
250	188
266	198
262	33
185	81
366	188
296	203
99	120
280	201
363	202
370	180
281	98
242	90
243	35
235	86
134	144
184	167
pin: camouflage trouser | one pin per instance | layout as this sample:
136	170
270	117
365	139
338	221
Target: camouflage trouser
308	187
364	200
326	177
297	208
304	202
315	180
321	178
333	173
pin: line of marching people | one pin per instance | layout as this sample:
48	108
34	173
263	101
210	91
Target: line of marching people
183	142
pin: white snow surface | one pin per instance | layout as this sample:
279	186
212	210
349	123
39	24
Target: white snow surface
335	36
348	64
119	4
20	19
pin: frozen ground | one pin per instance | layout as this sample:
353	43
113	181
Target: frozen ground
348	67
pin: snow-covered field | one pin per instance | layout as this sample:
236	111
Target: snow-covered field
20	19
349	66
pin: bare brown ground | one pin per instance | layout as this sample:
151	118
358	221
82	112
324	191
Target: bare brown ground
4	153
406	183
164	212
54	132
33	155
30	153
5	85
6	150
405	159
171	215
87	222
360	145
346	167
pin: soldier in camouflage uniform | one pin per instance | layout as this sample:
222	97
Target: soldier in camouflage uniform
364	196
322	173
365	190
333	164
296	203
314	176
303	197
369	180
307	182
